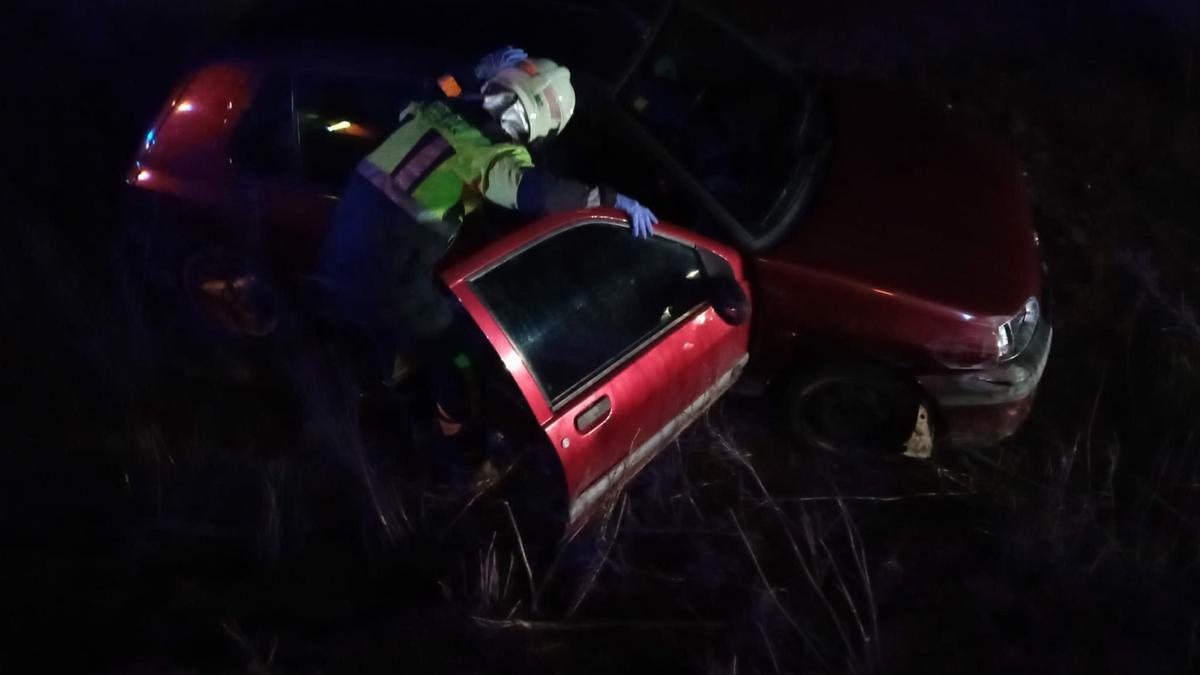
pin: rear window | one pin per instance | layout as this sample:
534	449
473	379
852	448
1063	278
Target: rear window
265	141
722	111
317	126
579	302
341	119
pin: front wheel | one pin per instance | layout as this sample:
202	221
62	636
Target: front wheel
851	407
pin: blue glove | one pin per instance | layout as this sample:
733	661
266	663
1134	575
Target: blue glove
642	218
505	57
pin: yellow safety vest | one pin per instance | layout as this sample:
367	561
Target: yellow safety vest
439	167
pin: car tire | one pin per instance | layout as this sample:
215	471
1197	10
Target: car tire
850	407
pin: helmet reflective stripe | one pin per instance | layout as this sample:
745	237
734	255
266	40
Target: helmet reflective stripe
552	102
547	95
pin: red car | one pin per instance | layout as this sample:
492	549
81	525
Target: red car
886	245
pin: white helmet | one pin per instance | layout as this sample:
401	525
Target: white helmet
543	92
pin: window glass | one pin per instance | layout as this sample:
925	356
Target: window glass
265	142
341	119
578	302
721	111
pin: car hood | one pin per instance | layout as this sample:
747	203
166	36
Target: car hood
917	202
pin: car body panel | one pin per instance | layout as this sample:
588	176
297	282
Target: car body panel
976	425
647	394
918	204
292	221
187	149
585	504
189	153
920	246
805	309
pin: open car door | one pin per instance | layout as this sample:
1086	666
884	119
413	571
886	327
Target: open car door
613	341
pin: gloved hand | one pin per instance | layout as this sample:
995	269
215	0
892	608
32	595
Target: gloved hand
505	57
642	218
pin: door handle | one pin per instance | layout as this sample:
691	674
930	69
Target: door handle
595	413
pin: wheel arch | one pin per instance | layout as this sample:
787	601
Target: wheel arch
809	354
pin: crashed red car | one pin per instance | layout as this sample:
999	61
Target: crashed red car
885	245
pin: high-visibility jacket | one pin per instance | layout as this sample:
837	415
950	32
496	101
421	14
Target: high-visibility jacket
439	167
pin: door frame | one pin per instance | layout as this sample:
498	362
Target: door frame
459	277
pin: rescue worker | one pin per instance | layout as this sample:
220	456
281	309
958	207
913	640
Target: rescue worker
405	201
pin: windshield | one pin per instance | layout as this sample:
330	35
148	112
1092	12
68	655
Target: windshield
726	115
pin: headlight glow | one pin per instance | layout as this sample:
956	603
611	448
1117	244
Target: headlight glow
1014	335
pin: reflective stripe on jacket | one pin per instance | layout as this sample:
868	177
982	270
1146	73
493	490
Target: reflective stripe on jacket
438	167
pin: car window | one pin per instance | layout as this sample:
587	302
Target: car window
343	118
265	141
722	112
582	300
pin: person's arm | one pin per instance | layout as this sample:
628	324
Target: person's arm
513	183
542	192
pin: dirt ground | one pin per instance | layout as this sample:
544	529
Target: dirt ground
155	524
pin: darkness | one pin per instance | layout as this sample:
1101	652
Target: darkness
167	510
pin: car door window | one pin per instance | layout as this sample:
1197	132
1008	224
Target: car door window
342	118
583	300
265	141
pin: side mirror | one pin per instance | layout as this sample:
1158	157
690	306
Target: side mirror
728	299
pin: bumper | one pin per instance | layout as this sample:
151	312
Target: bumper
985	406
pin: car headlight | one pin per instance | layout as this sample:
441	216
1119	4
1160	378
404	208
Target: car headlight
1014	335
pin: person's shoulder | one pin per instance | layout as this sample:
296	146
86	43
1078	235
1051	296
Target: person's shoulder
439	113
428	107
458	116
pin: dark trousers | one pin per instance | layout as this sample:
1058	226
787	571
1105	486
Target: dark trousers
378	265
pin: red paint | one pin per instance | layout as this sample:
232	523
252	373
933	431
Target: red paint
532	232
918	202
646	392
984	424
193	131
920	242
191	158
